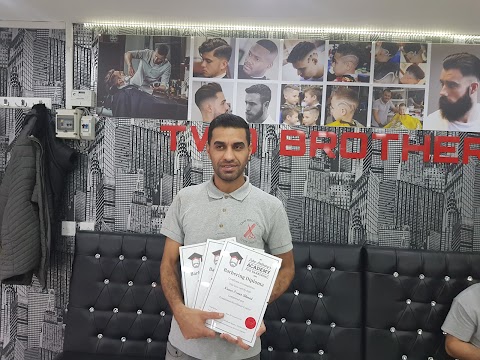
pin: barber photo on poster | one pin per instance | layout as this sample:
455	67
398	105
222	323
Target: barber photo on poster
213	57
256	102
143	76
398	108
211	99
453	90
349	61
400	63
301	104
258	59
347	106
303	60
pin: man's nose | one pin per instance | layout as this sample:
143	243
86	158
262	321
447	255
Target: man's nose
228	154
443	91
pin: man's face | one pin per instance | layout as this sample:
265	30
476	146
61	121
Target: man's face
258	61
119	77
309	99
340	64
308	67
309	118
158	59
229	152
213	66
456	93
291	96
254	109
414	57
386	96
408	78
382	55
292	119
336	109
220	105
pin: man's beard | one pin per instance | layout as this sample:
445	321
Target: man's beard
255	118
454	111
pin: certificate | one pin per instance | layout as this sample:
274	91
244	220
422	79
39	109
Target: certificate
241	286
191	257
209	263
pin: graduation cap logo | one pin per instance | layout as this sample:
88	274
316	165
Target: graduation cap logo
196	259
216	255
235	259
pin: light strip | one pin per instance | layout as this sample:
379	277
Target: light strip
288	29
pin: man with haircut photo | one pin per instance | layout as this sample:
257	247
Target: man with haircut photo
381	107
258	60
386	51
458	107
413	75
345	61
216	54
153	70
291	94
211	101
257	101
306	59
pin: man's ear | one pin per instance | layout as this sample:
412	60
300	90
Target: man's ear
224	64
473	87
266	104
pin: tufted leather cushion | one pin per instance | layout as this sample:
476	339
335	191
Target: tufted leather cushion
408	296
116	304
320	315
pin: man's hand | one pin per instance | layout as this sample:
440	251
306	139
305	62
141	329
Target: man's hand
131	70
239	341
192	322
159	88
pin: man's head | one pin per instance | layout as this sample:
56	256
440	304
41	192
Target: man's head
215	55
260	58
160	55
386	96
459	79
346	59
343	103
211	101
402	109
386	51
228	146
290	115
310	116
257	101
413	75
413	53
114	79
305	58
291	94
313	95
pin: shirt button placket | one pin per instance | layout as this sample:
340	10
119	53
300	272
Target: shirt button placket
222	214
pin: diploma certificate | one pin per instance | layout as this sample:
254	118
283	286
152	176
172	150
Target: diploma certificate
240	288
191	257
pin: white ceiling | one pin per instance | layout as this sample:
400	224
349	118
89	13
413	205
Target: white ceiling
457	16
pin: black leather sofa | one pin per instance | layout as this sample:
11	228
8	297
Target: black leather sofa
345	303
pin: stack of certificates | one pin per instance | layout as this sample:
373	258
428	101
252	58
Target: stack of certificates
231	278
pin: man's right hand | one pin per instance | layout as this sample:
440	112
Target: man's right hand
192	322
131	70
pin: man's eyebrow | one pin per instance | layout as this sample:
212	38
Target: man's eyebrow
219	142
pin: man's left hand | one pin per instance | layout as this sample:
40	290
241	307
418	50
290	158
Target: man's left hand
239	341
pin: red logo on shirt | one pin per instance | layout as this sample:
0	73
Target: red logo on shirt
249	233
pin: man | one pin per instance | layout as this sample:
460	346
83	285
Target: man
413	75
345	62
381	107
290	115
344	103
259	59
307	60
414	53
291	94
215	55
462	325
386	51
311	116
211	101
226	206
257	101
458	107
153	70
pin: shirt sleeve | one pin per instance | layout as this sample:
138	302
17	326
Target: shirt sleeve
459	322
279	238
375	105
166	74
172	224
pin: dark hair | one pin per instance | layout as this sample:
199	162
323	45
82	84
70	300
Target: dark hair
468	64
221	47
402	104
228	121
269	45
207	91
314	90
299	51
289	110
392	48
416	71
412	47
350	49
109	78
261	89
162	49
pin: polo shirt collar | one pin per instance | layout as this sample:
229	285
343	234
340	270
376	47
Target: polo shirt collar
240	194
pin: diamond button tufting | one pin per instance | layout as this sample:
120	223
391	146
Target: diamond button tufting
419	331
469	278
321	352
433	303
91	309
130	283
270	348
283	320
115	310
320	295
447	278
421	276
121	257
395	274
404	357
154	284
309	267
106	281
296	292
149	340
408	301
295	350
308	322
392	329
139	312
144	258
97	256
332	269
332	325
123	339
162	313
100	336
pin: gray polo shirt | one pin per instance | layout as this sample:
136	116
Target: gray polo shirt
254	217
463	318
383	109
152	72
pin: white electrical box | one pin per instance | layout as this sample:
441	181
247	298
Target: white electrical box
67	124
85	98
87	128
